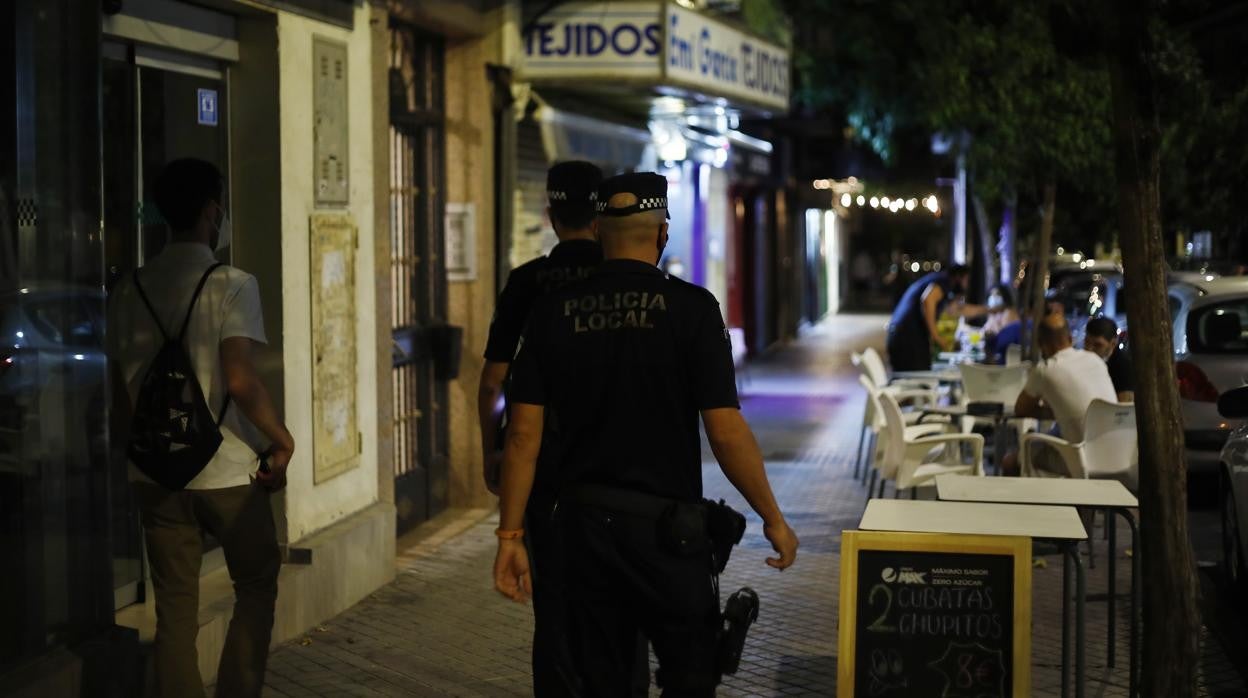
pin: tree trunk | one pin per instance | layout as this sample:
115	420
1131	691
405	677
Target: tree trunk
1042	267
1006	241
1171	621
986	245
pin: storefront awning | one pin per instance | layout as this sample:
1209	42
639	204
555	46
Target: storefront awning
657	45
569	136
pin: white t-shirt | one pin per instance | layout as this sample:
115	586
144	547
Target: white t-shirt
229	306
1068	382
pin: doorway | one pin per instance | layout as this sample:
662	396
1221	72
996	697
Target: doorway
417	273
157	106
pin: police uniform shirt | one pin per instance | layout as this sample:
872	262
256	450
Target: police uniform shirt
623	363
569	261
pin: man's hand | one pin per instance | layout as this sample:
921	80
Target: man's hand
493	466
783	541
511	571
279	459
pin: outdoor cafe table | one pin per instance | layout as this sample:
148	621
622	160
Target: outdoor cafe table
1057	524
1110	495
941	375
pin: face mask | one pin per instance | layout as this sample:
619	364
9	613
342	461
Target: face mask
224	231
676	269
660	243
995	302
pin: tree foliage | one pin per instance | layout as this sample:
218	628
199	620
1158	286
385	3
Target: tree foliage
1027	83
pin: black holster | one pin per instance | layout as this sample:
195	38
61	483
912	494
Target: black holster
724	527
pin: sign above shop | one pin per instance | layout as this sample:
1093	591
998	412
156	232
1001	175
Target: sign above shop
712	57
658	43
595	39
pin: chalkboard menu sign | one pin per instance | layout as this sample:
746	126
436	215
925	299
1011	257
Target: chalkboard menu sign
944	616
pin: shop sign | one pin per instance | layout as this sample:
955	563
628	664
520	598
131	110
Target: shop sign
934	615
595	39
659	43
714	58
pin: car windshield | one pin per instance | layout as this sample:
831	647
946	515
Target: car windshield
1220	328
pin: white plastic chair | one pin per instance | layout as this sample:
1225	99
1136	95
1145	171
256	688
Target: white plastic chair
1109	449
872	420
1013	355
906	460
987	383
874	366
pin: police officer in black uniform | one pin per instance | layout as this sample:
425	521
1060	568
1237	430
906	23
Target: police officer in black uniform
617	370
571	190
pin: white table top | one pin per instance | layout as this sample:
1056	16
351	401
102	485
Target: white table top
1035	490
946	375
973	518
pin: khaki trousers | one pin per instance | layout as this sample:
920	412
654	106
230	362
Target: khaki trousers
241	518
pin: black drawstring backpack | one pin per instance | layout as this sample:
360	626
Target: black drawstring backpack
173	435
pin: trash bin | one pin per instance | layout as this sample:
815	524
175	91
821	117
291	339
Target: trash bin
446	344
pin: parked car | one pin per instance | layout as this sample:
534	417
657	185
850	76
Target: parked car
1233	464
1211	357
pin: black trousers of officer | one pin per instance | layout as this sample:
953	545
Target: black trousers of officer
619	580
554	673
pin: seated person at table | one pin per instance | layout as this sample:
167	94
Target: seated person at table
1060	388
1102	340
1001	315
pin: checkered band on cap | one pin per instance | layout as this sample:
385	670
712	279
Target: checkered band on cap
556	195
573	182
646	203
649	188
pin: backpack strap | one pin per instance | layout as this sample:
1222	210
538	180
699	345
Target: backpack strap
195	298
139	287
225	404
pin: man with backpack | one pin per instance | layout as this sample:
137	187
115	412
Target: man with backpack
181	333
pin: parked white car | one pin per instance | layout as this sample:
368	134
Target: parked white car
1234	488
1211	357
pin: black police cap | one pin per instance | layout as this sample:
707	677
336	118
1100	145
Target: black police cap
573	182
649	188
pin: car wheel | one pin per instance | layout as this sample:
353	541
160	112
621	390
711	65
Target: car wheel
1232	555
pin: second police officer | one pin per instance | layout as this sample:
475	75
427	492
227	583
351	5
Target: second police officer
617	369
571	190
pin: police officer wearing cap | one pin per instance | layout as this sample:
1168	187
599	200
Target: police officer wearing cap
571	189
617	369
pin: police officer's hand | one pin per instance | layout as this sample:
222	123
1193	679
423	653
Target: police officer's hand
511	571
783	541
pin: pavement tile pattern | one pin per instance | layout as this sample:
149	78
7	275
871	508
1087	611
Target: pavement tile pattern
440	630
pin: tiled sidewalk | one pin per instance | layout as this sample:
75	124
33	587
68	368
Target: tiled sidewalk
440	629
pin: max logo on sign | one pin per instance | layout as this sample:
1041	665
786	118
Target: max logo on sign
905	576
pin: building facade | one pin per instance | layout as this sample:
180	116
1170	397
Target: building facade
357	142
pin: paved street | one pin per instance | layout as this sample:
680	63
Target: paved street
440	629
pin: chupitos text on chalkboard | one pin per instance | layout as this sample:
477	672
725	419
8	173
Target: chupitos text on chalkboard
934	615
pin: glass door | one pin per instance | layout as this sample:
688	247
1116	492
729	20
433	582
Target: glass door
156	108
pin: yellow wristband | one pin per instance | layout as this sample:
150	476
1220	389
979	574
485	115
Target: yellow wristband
509	535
